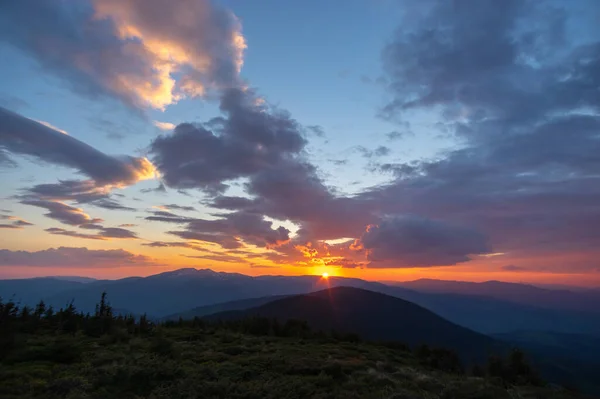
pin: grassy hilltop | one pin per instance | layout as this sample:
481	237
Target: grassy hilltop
65	354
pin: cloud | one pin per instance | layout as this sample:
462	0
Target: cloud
219	258
264	146
23	136
147	53
10	226
380	151
316	130
409	241
161	189
117	232
177	207
17	223
172	244
168	217
234	229
6	161
80	191
510	85
51	126
22	223
73	257
63	213
104	233
247	140
396	135
521	99
164	125
74	234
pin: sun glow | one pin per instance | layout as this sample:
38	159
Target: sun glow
325	275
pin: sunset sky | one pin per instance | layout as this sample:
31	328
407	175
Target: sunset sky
379	139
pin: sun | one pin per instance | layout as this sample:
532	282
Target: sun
325	275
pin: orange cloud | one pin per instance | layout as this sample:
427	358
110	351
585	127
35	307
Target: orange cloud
194	38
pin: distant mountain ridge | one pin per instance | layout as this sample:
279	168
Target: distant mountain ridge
578	300
181	290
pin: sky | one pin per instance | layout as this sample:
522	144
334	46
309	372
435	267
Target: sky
385	140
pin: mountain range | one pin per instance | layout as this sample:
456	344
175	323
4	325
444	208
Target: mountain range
565	343
182	290
566	299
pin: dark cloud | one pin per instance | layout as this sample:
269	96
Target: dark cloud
316	130
74	234
519	97
10	226
225	241
164	214
24	136
409	241
159	189
219	258
397	135
91	226
84	44
265	147
80	191
380	151
235	227
104	233
22	223
17	223
117	232
63	213
73	257
339	162
247	140
522	98
109	203
178	207
168	217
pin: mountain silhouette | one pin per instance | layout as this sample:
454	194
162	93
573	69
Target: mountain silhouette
564	299
178	291
373	316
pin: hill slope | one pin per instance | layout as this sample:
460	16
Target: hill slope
373	316
242	304
189	362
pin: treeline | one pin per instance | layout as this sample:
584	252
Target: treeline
17	322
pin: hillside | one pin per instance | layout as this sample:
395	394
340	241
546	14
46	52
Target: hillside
242	304
372	316
66	354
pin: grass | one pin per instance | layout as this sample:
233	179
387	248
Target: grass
191	362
